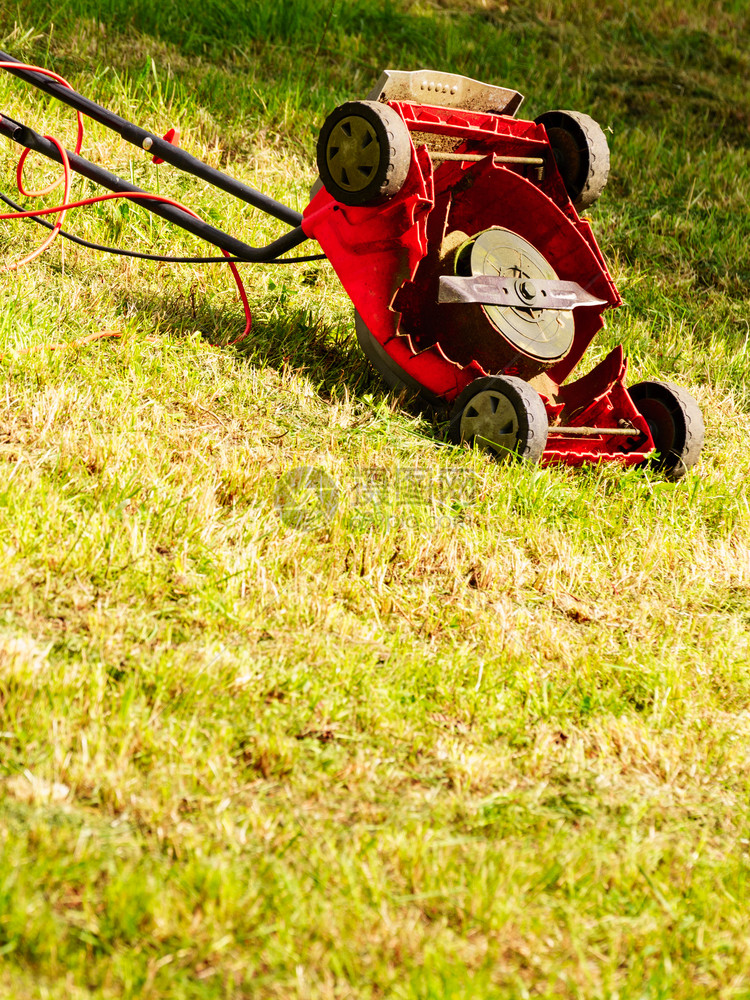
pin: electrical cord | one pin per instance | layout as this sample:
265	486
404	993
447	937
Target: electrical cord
60	211
153	256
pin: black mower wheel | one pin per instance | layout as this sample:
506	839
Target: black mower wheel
394	376
503	415
581	153
676	424
364	153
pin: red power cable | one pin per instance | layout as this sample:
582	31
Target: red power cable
60	210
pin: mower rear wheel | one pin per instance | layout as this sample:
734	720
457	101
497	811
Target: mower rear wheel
364	153
676	424
581	153
503	415
390	371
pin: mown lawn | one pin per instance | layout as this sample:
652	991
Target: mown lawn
483	732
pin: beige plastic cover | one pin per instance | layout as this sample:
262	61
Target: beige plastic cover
425	86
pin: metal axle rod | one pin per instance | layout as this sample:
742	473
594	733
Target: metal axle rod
27	137
568	431
156	145
534	161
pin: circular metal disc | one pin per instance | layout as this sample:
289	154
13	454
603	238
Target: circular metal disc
546	334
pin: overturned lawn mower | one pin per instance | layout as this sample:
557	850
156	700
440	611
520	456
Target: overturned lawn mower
454	228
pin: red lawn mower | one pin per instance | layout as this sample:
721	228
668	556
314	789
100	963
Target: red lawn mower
454	228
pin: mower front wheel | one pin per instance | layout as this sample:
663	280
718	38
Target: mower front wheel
503	415
676	425
364	153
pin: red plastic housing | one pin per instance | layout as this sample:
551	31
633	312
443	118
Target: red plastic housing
384	256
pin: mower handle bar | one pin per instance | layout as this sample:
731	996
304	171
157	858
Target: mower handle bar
155	145
27	137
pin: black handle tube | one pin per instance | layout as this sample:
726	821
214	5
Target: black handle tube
156	145
25	136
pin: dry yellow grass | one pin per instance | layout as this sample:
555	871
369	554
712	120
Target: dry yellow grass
483	730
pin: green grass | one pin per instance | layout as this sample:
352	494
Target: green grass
488	740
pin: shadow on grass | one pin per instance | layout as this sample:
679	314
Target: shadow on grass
328	355
297	341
